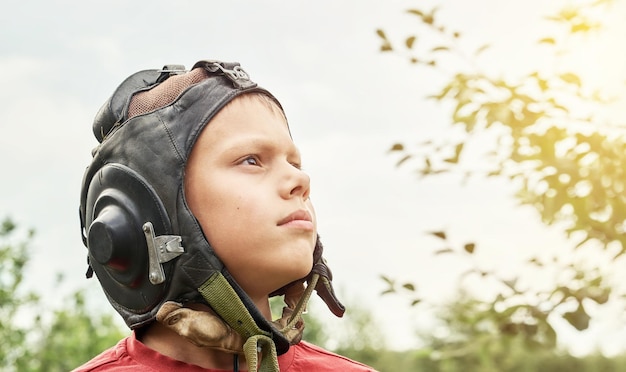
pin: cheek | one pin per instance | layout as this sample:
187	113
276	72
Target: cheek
227	221
309	205
209	206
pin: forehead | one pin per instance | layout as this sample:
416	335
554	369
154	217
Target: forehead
253	117
267	101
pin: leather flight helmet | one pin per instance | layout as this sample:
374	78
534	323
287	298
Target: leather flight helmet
144	244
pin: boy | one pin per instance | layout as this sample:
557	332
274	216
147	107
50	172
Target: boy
195	211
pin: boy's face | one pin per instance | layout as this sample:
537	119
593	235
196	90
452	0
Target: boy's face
244	184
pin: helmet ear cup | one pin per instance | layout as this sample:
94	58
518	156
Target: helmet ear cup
119	202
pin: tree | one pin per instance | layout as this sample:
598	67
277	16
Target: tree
548	133
71	335
13	259
360	337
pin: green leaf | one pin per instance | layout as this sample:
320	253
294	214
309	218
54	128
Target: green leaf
439	234
440	48
547	40
457	153
7	226
583	27
409	41
387	280
403	159
457	149
482	49
417	12
409	287
585	240
451	88
386	47
469	247
571	78
444	251
511	284
579	318
601	297
397	147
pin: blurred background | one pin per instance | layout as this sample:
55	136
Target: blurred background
467	166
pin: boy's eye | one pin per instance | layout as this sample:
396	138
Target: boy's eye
250	160
297	165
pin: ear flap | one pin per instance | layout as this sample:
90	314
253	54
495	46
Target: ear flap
121	208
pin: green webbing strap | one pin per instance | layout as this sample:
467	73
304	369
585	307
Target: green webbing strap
224	300
264	345
301	305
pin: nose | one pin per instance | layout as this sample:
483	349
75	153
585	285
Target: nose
296	183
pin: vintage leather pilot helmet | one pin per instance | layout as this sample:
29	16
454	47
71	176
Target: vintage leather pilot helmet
144	244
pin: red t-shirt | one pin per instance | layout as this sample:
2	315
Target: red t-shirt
131	355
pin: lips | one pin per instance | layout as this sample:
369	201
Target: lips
300	216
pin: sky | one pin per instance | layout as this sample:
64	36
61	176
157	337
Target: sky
346	102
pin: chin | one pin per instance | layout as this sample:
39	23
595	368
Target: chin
298	271
304	270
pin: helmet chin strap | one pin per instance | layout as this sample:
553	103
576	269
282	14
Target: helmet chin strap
235	331
228	325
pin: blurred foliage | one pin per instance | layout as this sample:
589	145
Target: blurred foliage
520	311
513	358
360	338
313	327
468	341
74	334
357	335
548	130
468	338
30	341
72	337
548	133
13	259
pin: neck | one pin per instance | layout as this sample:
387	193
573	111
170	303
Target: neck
169	343
263	304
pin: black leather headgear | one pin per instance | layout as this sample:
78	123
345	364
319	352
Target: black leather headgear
144	244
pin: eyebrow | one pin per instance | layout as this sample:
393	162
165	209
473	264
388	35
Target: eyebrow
261	144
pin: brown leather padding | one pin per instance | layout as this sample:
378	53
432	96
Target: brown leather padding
164	93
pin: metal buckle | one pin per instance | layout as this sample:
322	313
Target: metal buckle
237	75
161	249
